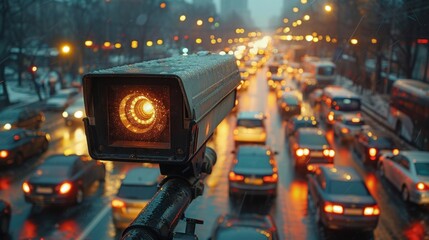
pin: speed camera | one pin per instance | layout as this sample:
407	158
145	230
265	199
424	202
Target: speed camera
159	111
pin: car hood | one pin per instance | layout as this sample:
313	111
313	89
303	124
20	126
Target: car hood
254	171
73	109
53	101
47	179
350	199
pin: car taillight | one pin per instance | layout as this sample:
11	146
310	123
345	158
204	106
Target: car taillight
329	153
235	177
372	153
302	152
116	203
345	130
65	188
371	211
4	154
331	116
395	151
271	179
26	187
422	186
333	208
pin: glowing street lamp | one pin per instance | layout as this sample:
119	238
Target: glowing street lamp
88	43
65	49
182	18
199	22
328	8
354	41
306	17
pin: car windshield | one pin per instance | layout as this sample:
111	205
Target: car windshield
249	123
290	100
242	233
381	142
326	71
356	188
312	139
346	104
422	169
131	191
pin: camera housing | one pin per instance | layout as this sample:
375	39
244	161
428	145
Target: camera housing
160	111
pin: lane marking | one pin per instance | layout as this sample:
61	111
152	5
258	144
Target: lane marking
93	223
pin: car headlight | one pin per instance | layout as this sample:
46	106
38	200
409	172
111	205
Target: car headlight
65	114
7	126
78	114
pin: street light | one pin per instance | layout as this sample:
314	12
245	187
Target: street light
199	22
65	49
328	8
354	41
182	18
306	17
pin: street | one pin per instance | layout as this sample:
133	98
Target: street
92	219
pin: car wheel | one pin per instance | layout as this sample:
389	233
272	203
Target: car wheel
79	196
405	194
5	226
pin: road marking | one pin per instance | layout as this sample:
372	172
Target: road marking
93	223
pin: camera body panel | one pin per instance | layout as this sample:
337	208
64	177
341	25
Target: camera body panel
160	111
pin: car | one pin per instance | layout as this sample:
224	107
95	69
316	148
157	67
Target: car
61	180
347	126
250	128
300	121
310	149
369	145
5	215
21	118
341	200
308	82
137	188
74	113
289	105
315	96
245	226
17	145
408	172
253	172
276	81
62	99
288	87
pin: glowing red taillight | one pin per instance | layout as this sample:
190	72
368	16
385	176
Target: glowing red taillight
65	187
371	211
422	186
235	177
26	187
116	203
333	208
271	179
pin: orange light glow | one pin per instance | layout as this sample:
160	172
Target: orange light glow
421	186
116	203
333	208
371	211
4	154
235	177
26	187
372	152
65	188
271	179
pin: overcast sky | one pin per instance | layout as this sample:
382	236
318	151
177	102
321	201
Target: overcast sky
262	10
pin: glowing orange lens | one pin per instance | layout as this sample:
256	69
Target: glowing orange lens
235	177
4	154
116	203
26	187
271	179
65	188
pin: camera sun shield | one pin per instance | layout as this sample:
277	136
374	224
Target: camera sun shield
160	111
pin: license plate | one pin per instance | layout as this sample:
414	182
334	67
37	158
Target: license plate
45	190
316	154
353	211
254	181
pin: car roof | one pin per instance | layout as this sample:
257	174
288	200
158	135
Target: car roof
339	92
341	173
142	176
256	150
250	115
308	131
416	156
58	159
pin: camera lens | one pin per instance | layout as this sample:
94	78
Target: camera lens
137	113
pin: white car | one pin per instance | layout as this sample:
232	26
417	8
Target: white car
62	99
347	126
408	171
250	128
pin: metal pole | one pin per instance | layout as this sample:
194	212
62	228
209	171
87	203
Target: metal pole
159	218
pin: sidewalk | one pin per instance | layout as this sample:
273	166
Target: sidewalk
21	96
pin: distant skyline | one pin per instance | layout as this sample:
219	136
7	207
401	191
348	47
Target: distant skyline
262	11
